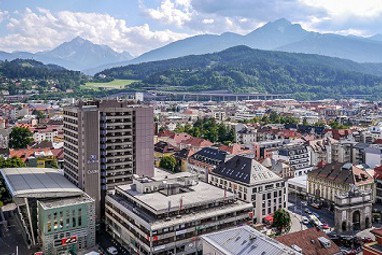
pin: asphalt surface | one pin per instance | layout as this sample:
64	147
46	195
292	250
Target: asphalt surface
296	206
12	239
104	240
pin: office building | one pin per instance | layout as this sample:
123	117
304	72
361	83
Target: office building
166	214
253	183
105	143
51	212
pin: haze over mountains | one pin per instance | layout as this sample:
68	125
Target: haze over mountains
78	54
280	35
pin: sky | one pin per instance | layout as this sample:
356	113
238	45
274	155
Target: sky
137	26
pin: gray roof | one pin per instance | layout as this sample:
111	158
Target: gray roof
212	156
245	240
245	170
38	182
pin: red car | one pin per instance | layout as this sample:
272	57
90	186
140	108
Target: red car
367	240
325	226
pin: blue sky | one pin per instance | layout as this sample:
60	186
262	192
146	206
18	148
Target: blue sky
137	26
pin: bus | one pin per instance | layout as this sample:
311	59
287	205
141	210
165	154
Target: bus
314	220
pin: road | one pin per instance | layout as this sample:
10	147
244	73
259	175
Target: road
297	208
104	240
12	238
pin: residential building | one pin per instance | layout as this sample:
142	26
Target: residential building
279	167
106	142
253	183
329	180
265	149
51	210
243	240
373	155
246	136
319	150
311	241
167	213
36	157
205	160
297	157
44	134
182	157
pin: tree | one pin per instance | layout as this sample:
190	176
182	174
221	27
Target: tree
168	163
20	137
281	220
39	114
7	163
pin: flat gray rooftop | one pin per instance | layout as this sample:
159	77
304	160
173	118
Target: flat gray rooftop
38	183
245	240
199	194
63	202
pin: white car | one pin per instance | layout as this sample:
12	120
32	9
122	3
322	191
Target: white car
112	250
305	220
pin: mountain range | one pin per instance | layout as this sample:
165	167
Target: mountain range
78	54
279	35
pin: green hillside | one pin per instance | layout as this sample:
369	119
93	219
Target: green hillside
242	69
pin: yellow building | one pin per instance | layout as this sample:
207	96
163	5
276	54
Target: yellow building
330	180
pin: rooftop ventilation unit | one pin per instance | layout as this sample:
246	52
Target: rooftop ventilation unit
296	248
325	242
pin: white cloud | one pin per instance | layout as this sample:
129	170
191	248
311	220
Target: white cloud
169	12
3	15
42	29
208	21
347	8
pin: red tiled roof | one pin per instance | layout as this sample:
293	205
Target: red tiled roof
58	153
25	153
197	142
308	241
233	149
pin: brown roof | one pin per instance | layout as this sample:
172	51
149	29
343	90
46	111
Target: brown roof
308	241
233	149
377	231
342	173
197	142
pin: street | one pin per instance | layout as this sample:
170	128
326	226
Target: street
12	239
297	208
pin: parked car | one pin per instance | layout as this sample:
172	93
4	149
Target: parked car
112	250
315	214
305	220
367	240
325	226
307	211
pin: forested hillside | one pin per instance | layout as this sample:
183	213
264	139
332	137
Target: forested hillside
242	69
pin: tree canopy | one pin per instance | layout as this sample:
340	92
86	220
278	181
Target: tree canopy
20	137
282	220
242	69
168	163
210	129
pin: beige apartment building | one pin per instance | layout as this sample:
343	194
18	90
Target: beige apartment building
106	142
